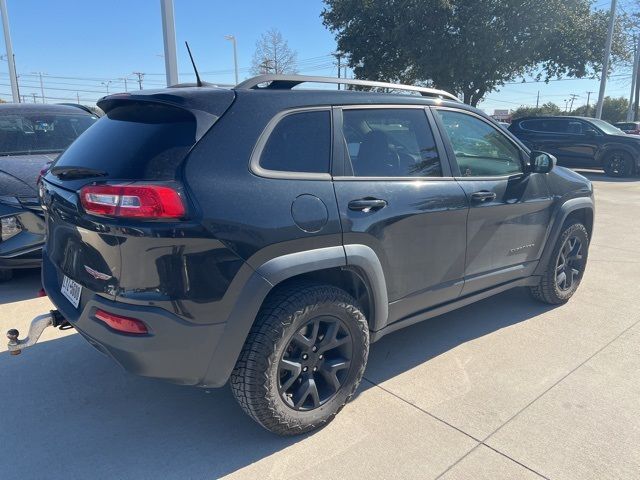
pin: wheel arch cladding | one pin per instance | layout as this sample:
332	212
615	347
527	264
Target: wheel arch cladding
351	267
582	209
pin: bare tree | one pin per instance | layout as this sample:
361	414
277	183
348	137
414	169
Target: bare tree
273	55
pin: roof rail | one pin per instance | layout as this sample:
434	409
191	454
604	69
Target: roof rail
287	82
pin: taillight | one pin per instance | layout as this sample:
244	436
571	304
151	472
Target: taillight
133	200
120	323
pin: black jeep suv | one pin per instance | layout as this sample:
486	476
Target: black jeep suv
266	235
581	142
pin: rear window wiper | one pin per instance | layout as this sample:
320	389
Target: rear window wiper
71	173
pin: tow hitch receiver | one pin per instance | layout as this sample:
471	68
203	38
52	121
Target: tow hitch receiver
52	319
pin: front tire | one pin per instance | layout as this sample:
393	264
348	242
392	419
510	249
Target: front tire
618	164
303	359
566	266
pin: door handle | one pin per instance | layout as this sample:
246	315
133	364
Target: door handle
483	196
367	204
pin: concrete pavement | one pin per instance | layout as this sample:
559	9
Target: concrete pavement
506	388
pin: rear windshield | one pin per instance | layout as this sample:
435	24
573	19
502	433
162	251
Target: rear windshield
136	142
30	133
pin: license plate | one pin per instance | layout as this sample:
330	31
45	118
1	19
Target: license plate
71	290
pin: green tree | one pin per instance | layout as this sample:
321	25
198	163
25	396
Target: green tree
471	47
546	109
613	110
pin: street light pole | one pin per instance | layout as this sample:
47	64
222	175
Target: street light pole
10	57
232	39
605	62
634	78
106	84
169	36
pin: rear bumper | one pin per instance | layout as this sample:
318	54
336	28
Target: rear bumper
174	350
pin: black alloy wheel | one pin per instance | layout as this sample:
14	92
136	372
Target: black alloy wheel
619	164
303	359
315	363
569	265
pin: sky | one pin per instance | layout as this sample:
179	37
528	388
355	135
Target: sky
84	47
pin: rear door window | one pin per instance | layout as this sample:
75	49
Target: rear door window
390	142
299	143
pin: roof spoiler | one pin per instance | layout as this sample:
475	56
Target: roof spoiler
206	109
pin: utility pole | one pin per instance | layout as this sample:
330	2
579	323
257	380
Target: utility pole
605	62
78	97
34	97
41	84
636	103
266	66
10	57
566	105
140	77
588	98
538	99
634	76
573	97
169	35
232	39
125	83
338	56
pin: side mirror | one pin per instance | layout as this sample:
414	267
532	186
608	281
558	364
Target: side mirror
541	162
591	133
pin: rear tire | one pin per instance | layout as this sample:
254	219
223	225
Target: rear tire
618	164
566	266
303	359
6	274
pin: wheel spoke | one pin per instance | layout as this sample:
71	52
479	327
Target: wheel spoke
331	340
308	388
294	369
336	365
331	378
309	341
574	274
562	279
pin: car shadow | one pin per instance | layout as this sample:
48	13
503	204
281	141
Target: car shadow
405	349
603	177
24	285
71	412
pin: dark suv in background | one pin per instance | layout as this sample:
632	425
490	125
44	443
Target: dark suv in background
581	142
266	235
31	137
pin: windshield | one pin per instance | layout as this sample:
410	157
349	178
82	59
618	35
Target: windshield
23	134
606	127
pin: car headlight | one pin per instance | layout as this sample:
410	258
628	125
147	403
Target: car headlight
9	227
